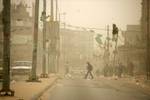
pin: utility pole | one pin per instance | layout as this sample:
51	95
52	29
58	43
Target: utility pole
64	14
58	37
148	40
115	38
6	91
52	39
33	77
108	42
44	75
56	10
106	53
108	38
115	51
107	50
52	10
50	56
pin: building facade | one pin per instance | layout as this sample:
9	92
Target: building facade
137	43
21	33
134	49
76	48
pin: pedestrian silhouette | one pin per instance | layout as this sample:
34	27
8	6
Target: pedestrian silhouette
89	71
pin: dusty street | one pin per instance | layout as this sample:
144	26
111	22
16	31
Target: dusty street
102	89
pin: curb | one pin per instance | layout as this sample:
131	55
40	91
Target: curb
38	95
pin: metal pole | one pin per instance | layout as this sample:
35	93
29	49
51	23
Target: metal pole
107	49
44	75
56	10
108	37
57	41
33	77
148	40
52	39
58	48
115	52
64	14
52	11
6	50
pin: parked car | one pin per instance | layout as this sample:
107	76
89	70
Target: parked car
21	68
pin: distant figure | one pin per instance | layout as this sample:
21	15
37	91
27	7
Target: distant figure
89	70
120	69
131	68
67	71
67	68
106	70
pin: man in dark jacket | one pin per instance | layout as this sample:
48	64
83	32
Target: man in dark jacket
120	69
89	70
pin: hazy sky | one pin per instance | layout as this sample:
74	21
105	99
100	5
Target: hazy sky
98	13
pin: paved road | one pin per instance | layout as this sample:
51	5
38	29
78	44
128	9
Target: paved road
95	90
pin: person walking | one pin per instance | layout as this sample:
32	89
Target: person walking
120	69
131	68
89	70
67	70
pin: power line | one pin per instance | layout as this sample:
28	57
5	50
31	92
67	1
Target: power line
102	29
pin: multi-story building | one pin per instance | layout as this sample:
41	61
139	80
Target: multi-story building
21	33
133	36
134	49
76	48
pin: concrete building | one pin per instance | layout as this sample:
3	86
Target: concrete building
133	36
22	25
134	49
21	33
76	48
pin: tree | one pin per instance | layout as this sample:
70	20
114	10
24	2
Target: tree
6	18
98	39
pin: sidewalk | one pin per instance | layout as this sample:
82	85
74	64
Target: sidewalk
140	83
30	90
